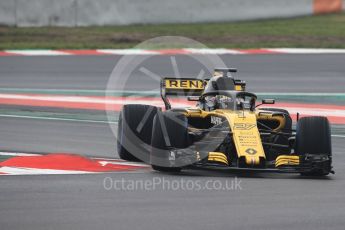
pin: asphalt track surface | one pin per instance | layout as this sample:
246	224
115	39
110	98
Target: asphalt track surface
264	73
263	201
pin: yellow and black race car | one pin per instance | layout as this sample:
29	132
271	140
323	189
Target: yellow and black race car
225	130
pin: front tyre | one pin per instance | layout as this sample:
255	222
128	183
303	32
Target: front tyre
313	139
134	132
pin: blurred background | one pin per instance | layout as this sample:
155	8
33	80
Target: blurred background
80	24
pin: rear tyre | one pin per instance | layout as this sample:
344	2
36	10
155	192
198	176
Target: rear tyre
170	132
313	137
134	132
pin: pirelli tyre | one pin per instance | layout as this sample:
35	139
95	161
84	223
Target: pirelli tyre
134	132
313	137
170	132
282	140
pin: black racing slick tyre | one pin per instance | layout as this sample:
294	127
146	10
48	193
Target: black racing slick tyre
170	132
313	137
134	132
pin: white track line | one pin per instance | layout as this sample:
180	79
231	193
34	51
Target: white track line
127	51
37	52
140	93
33	171
185	51
18	154
57	119
307	51
212	51
341	136
103	163
303	94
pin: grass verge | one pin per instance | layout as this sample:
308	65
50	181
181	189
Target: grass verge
323	31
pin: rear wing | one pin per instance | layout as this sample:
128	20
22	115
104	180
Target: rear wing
188	87
181	87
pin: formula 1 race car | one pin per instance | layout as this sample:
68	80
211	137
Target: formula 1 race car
225	130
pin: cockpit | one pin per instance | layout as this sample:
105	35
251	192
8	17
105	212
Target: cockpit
232	100
221	92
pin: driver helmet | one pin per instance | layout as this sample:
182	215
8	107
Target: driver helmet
225	102
218	102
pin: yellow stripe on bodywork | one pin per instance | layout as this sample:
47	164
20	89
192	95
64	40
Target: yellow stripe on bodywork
218	157
262	115
286	160
215	159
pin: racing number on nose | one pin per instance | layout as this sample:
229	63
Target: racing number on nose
243	126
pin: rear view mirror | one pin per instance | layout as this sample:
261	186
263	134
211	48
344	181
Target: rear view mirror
268	101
